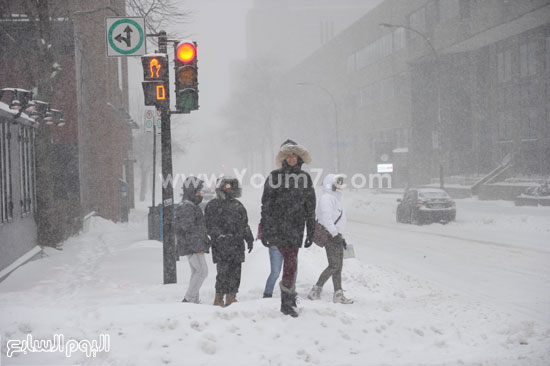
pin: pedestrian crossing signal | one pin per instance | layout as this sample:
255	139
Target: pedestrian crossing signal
155	67
156	85
155	93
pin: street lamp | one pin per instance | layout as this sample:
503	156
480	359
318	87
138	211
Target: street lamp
335	119
439	128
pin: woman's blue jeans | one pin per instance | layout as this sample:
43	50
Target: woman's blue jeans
276	261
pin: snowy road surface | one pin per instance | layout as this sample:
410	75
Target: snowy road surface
473	292
490	257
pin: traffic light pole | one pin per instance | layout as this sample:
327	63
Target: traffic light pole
168	242
156	91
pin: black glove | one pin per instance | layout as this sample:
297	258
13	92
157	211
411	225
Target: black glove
308	242
265	242
344	243
250	246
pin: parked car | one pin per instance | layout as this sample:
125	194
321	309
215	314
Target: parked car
425	205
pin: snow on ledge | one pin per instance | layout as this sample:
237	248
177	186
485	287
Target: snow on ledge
21	260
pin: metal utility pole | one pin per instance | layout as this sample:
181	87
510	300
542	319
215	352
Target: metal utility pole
156	91
168	240
154	161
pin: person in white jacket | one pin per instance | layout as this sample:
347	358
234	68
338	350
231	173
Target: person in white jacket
331	214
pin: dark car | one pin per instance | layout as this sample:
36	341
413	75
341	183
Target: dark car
425	205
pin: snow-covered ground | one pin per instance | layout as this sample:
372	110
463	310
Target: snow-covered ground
472	292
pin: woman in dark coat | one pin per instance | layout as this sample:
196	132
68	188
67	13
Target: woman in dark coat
227	225
288	205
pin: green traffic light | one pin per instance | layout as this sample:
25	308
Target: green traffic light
187	99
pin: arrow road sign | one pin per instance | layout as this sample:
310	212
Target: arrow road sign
128	38
125	36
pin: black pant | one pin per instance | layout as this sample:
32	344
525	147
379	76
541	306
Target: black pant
228	278
335	255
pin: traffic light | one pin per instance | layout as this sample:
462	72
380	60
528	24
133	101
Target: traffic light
186	70
155	73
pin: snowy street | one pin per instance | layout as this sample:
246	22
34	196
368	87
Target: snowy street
500	256
472	292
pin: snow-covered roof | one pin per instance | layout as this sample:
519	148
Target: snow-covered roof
7	113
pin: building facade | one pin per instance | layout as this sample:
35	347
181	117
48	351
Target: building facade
431	86
281	34
87	165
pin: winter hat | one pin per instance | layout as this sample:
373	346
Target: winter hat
190	186
224	192
289	147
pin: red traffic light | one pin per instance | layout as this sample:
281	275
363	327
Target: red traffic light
186	52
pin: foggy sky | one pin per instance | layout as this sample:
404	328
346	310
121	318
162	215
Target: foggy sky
218	26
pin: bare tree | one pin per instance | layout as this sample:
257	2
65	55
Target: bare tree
159	14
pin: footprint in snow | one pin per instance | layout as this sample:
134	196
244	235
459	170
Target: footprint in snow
198	326
208	347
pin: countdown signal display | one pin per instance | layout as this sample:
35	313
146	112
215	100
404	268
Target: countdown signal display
156	90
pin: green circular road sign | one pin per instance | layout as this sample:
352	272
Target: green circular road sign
136	26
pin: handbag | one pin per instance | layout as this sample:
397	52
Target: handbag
349	252
321	235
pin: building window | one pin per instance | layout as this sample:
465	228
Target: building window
504	66
350	66
506	119
528	59
26	169
386	43
464	6
6	205
327	31
432	15
417	20
399	39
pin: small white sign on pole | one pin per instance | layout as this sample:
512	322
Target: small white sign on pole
148	120
158	121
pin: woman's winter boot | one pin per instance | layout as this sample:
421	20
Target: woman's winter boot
339	298
230	299
218	300
315	293
288	301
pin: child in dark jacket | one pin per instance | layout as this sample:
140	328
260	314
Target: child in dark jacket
191	236
227	224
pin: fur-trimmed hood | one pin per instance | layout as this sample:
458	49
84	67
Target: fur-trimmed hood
328	182
235	187
289	147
